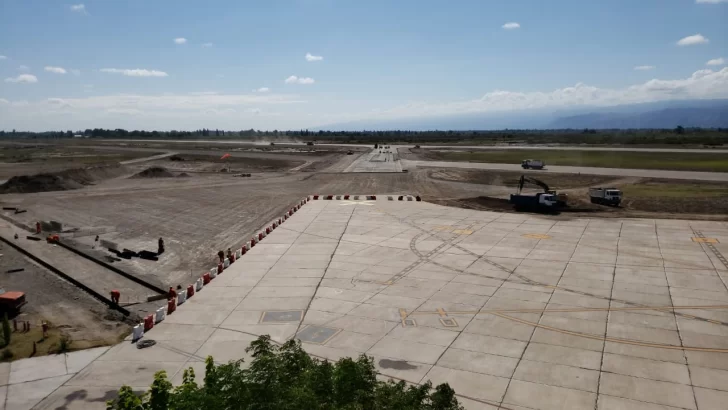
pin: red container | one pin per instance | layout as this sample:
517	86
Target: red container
171	305
190	291
148	323
206	278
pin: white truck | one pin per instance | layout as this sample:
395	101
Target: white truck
532	164
605	196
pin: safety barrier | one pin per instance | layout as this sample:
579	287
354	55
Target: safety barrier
137	332
220	267
171	306
148	322
181	298
159	316
225	263
252	242
198	285
190	291
213	273
206	279
244	250
238	253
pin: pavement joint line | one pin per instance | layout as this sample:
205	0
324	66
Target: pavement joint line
440	312
613	339
716	253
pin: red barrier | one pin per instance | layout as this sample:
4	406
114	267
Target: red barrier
280	221
346	196
252	241
418	199
329	197
171	306
260	236
267	230
244	249
148	323
400	198
315	197
220	267
232	258
374	197
190	291
206	278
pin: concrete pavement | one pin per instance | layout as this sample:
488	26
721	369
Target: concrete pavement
515	311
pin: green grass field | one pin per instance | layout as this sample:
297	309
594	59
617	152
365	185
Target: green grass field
675	190
607	159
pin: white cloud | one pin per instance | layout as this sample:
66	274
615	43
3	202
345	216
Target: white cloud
299	80
511	26
137	72
22	78
57	70
711	1
310	57
693	40
262	90
206	44
75	72
717	61
180	40
79	8
644	67
3	57
23	68
4	101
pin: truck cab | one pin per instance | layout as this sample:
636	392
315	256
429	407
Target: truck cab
11	302
532	164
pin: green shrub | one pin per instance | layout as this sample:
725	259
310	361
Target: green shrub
286	377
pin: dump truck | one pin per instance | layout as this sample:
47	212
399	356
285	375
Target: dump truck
532	164
11	302
605	196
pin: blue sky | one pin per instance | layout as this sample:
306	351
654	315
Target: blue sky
115	63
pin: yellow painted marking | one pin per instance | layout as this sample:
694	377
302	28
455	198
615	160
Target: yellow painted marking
462	231
705	240
612	339
443	228
536	236
441	312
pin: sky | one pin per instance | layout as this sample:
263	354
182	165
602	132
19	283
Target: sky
292	64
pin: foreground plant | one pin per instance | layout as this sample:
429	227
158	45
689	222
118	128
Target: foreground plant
286	377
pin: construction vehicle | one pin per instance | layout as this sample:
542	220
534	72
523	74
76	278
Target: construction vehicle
542	200
11	302
561	198
532	164
605	196
349	152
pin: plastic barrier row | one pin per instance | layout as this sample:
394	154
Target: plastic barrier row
366	197
160	314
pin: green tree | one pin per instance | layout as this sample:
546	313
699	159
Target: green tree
7	332
679	130
286	377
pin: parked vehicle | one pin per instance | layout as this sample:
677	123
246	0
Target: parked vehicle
546	200
532	164
605	196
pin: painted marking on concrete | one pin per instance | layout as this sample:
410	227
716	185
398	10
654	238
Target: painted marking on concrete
281	316
536	236
317	334
449	322
709	244
441	312
705	240
443	228
346	203
409	323
462	232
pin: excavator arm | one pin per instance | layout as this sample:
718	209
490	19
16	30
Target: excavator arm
532	181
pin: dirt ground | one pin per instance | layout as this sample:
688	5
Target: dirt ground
210	210
69	310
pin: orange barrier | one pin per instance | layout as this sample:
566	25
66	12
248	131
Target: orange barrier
190	291
206	278
148	322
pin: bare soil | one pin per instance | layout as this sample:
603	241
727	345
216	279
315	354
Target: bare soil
74	178
69	310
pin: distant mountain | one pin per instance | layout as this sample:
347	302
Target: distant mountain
713	117
663	114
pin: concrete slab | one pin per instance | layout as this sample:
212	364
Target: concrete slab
76	361
24	396
25	370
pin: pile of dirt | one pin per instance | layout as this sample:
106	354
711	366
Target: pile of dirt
176	158
154	172
183	175
74	178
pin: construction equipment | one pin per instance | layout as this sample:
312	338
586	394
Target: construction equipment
605	196
561	198
11	302
532	164
541	200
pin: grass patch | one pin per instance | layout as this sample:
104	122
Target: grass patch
674	190
682	161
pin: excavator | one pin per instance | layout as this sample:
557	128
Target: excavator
561	199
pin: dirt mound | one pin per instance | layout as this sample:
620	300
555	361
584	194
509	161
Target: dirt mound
183	175
154	172
59	181
176	158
